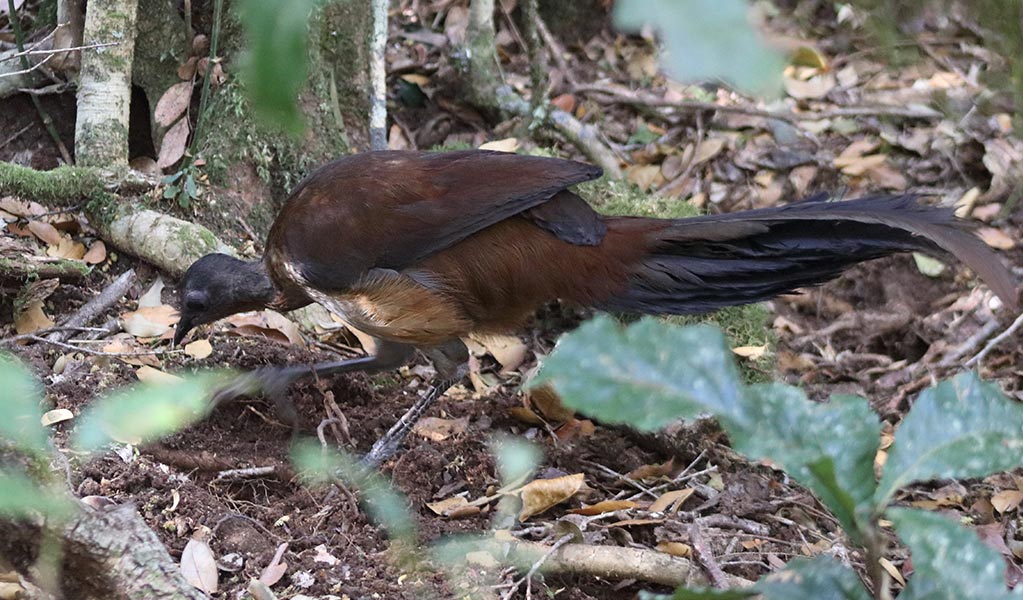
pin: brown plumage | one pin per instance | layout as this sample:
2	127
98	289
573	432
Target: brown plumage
420	248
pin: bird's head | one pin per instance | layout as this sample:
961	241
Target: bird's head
217	286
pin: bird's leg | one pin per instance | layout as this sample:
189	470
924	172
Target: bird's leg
273	381
451	362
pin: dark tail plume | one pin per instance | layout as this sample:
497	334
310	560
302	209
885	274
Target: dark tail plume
709	262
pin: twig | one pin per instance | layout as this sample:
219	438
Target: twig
986	330
528	578
673	187
53	51
28	336
36	67
706	556
15	135
234	474
19	38
534	50
97	306
556	51
91	352
998	339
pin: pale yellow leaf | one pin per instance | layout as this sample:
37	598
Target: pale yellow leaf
57	415
199	349
671	500
750	352
1007	500
150	321
675	549
67	249
541	494
605	506
505	145
154	295
45	232
147	374
199	567
32	319
887	565
96	254
438	429
996	238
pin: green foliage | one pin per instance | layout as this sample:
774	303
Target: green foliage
21	497
181	186
277	65
707	39
649	374
19	404
385	505
148	411
959	428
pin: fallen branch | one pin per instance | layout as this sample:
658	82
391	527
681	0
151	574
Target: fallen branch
488	89
108	554
612	562
998	339
95	307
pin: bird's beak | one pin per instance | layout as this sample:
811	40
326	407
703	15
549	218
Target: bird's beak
182	328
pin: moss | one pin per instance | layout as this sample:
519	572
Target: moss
64	185
24	269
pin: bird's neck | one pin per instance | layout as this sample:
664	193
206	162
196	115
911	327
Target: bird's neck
255	289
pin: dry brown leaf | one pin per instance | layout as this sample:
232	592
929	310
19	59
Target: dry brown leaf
455	24
565	102
96	254
456	507
32	318
147	374
277	567
644	176
653	471
858	165
708	149
154	295
1007	500
996	238
675	549
889	566
128	344
508	350
525	415
888	177
199	567
199	349
505	145
45	232
57	415
173	103
438	429
21	208
671	501
187	70
67	249
150	321
574	428
174	143
541	494
605	506
811	89
546	401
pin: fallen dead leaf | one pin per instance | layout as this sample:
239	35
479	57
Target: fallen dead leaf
126	344
147	374
153	296
508	350
174	143
454	507
150	321
199	349
996	238
505	145
675	549
199	567
67	249
653	471
268	324
644	176
32	318
889	566
545	400
671	501
541	494
96	254
57	415
811	89
277	567
45	232
438	429
750	352
173	103
1007	500
605	506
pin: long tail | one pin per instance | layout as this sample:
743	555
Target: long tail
709	262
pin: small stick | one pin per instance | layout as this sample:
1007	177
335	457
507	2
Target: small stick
528	579
998	339
97	306
706	557
233	474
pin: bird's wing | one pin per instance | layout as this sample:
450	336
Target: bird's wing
393	209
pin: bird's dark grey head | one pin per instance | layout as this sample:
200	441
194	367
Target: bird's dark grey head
217	286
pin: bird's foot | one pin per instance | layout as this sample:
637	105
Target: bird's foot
270	382
388	445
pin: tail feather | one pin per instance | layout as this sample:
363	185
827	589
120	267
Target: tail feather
709	262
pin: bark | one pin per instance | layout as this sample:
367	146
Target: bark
109	554
104	89
378	77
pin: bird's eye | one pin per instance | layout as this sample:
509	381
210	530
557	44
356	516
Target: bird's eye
195	305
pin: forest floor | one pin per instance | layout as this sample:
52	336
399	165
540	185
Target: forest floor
884	330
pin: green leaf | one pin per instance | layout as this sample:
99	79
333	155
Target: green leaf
949	561
20	395
516	458
190	187
827	447
707	39
277	64
700	594
21	497
385	506
821	578
148	411
960	428
648	375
